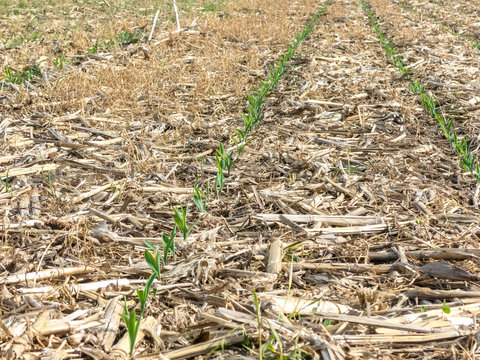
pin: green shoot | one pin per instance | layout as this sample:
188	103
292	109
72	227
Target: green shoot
5	183
180	219
132	325
220	179
21	77
201	198
59	62
445	308
259	323
169	245
153	262
416	87
226	159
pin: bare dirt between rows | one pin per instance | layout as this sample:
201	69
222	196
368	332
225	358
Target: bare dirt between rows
347	213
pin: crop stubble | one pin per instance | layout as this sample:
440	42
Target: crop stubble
341	136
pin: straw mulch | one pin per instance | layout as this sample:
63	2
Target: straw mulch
348	213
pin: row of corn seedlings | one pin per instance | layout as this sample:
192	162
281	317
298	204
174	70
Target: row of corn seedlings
462	147
437	21
201	197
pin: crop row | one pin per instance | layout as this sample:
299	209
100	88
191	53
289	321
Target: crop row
461	146
225	159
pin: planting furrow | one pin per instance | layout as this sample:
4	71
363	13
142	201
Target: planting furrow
225	160
451	86
462	146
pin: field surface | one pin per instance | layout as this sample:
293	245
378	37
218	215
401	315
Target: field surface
268	179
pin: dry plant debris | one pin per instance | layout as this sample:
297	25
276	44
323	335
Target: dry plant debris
345	230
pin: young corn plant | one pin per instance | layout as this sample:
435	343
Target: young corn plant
242	141
168	243
180	218
226	158
5	183
220	179
21	77
132	322
200	198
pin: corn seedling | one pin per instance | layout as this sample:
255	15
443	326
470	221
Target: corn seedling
132	322
153	261
416	87
93	49
201	198
259	323
226	158
241	142
180	219
5	183
127	37
47	177
59	62
220	179
168	243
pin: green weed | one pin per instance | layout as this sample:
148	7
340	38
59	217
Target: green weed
127	37
20	77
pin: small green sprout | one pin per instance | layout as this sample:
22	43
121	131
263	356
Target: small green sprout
445	308
21	77
59	62
5	183
226	158
201	198
132	325
131	321
168	243
180	219
153	261
220	179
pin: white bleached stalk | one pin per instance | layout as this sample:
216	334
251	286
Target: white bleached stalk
176	14
153	25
